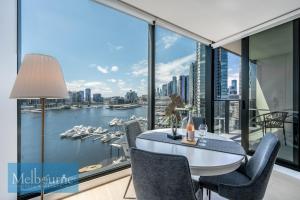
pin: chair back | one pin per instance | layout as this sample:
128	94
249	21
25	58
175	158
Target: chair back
275	119
132	130
161	176
260	166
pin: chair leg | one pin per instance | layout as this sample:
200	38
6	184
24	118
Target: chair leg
283	130
128	184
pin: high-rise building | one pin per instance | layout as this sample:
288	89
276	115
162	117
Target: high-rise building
174	85
192	83
170	86
198	71
233	87
184	88
97	97
221	73
80	96
88	97
234	84
164	90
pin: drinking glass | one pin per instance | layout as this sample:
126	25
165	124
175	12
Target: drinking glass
183	127
202	133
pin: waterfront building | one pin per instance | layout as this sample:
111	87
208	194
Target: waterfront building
131	97
88	95
117	100
97	97
80	96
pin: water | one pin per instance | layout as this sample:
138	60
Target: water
84	152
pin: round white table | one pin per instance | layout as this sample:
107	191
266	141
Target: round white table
202	162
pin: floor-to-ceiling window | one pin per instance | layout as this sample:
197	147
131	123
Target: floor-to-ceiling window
227	92
272	88
179	73
103	55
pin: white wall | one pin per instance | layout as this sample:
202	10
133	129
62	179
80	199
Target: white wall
8	70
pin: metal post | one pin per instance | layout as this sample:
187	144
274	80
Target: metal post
42	147
209	88
227	117
245	94
151	77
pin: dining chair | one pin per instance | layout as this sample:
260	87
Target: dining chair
161	176
132	130
250	181
197	121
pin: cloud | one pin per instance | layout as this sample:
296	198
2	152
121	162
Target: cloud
112	80
140	68
103	70
95	86
142	89
121	83
114	68
169	40
113	47
179	66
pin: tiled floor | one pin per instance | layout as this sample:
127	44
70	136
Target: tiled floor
281	186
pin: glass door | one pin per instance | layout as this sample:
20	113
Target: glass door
273	107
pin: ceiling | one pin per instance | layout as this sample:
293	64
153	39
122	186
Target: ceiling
216	20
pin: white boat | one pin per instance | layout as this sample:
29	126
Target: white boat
100	130
108	137
133	117
113	122
80	135
119	133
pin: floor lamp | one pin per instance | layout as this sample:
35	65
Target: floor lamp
40	77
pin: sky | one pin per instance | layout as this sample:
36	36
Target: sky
103	49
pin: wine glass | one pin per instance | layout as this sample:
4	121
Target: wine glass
202	133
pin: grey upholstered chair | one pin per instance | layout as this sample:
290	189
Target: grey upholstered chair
251	179
161	176
132	130
197	121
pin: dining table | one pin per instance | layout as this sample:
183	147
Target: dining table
220	155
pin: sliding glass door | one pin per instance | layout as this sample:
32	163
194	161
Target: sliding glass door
273	87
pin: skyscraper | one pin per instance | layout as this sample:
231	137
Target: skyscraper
221	73
174	85
88	95
184	88
199	80
164	90
80	96
192	83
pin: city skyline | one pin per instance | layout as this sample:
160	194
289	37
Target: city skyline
97	56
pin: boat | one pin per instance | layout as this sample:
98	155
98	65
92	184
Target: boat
108	137
133	117
100	130
114	122
119	133
80	134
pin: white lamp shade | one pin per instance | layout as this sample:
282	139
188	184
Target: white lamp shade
40	76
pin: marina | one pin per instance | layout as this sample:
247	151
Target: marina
87	137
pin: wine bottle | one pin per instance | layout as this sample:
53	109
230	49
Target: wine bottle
190	128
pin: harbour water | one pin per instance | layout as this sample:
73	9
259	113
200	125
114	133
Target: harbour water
83	152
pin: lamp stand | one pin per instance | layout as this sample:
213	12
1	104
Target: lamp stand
42	100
